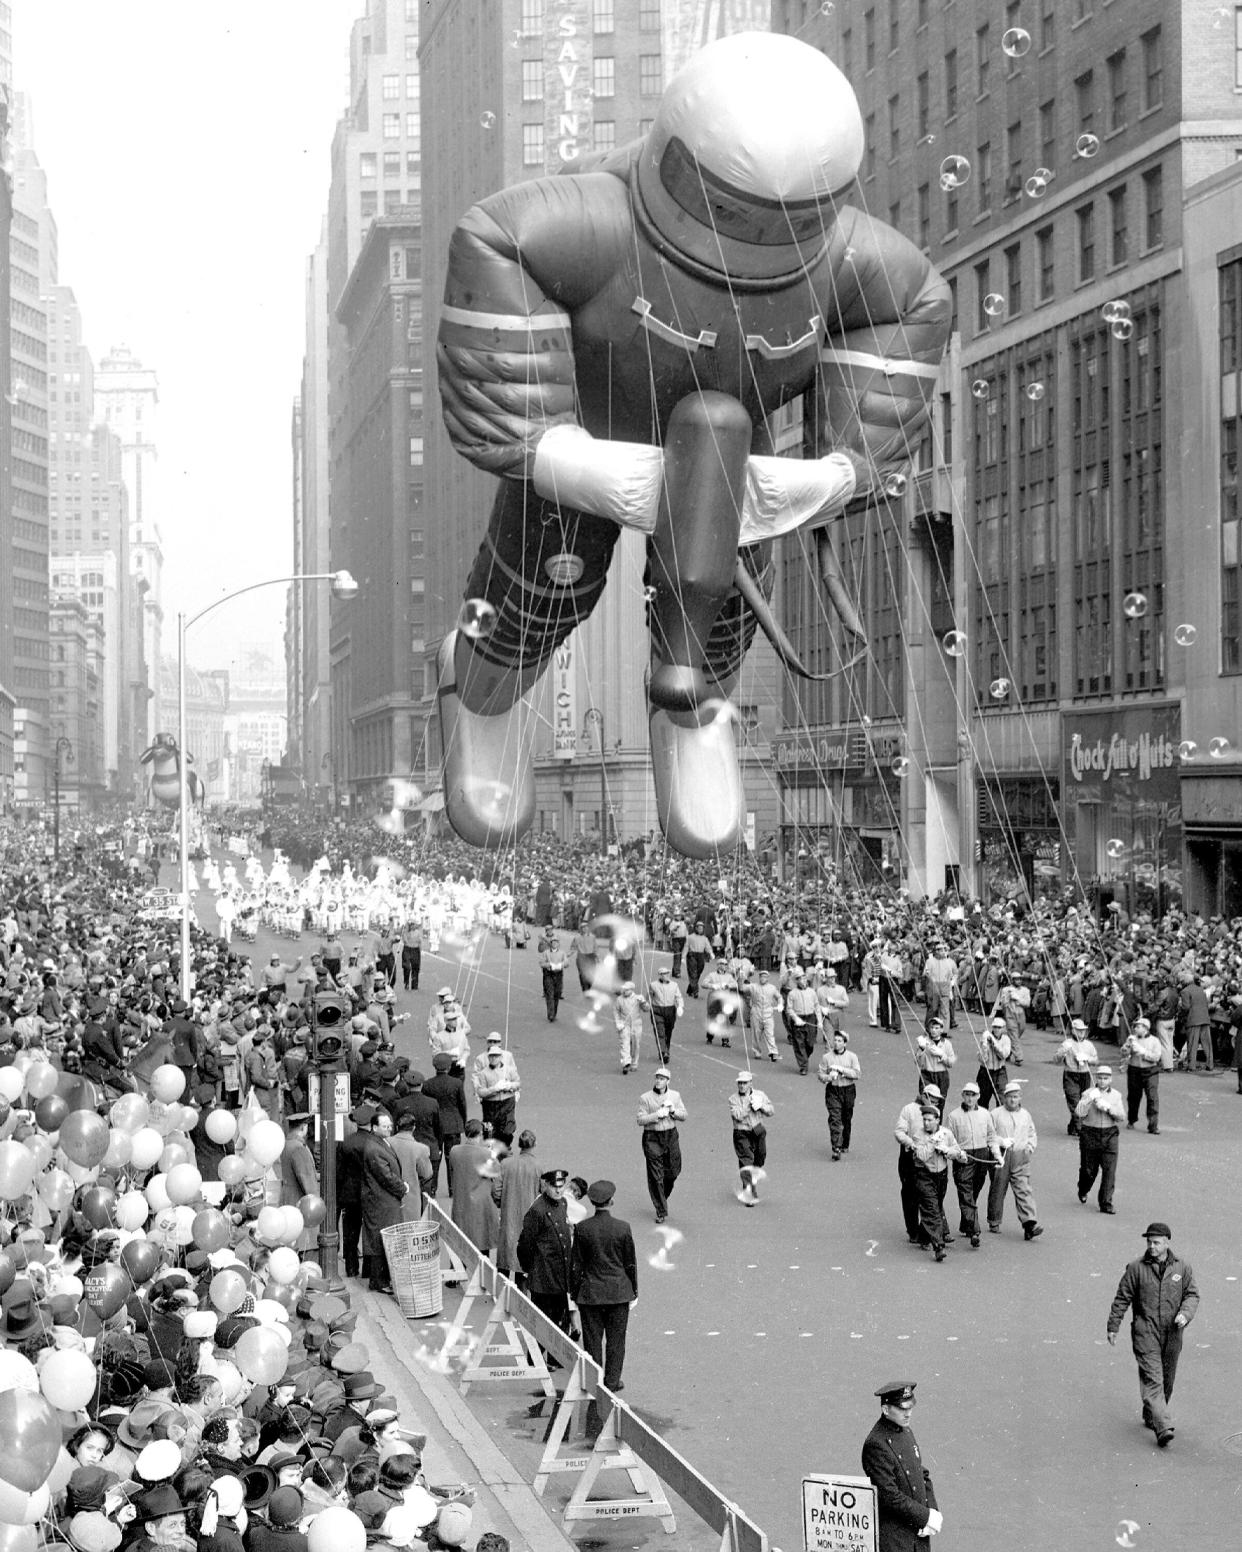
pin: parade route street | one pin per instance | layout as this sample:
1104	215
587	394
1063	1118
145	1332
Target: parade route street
757	1353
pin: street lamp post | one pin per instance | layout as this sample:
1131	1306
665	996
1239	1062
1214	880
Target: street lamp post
62	744
595	717
343	587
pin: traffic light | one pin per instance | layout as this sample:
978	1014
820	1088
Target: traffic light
331	1024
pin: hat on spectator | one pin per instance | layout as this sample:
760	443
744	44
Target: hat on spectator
1161	1229
601	1192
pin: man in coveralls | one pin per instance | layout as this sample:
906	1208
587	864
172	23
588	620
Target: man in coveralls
1159	1291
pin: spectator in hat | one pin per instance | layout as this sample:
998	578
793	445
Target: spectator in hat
1159	1291
518	1188
603	1284
544	1249
426	1112
298	1175
415	1160
279	1533
905	1497
162	1517
349	1155
263	1073
474	1169
383	1195
449	1093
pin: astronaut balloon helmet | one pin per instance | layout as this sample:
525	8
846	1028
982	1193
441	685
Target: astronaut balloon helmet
750	143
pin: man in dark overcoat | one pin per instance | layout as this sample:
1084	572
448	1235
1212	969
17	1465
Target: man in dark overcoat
383	1190
892	1461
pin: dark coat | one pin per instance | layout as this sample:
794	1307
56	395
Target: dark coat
425	1109
383	1192
891	1459
604	1265
349	1169
450	1094
545	1247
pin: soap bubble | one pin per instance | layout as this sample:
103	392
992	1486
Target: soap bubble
1045	173
1123	329
1086	145
900	766
649	595
999	689
488	120
928	140
1015	42
865	720
826	9
1035	392
955	643
1116	849
849	255
954	172
1036	187
670	1238
994	304
1115	311
981	388
477	619
1186	635
1187	749
1134	606
895	483
1218	748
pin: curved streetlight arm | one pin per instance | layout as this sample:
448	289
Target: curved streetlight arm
347	589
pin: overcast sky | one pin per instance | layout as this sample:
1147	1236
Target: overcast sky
187	153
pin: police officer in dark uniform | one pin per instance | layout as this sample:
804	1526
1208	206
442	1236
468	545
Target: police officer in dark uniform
891	1460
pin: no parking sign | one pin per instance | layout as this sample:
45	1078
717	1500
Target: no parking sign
838	1514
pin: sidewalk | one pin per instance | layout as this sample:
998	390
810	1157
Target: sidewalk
459	1448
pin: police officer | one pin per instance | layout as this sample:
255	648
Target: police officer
891	1460
659	1111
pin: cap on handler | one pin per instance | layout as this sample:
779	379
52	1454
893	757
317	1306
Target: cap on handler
1102	1072
1078	1024
1157	1229
445	993
1013	1088
897	1393
971	1088
495	1038
930	1088
998	1023
663	1072
745	1077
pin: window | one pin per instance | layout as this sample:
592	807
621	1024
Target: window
1047	134
894	128
648	15
532	80
922	90
921	15
411	126
983	173
1013	279
1153	66
1230	294
1082	11
392	201
869	40
370	203
603	16
367	165
532	145
983	57
1084	92
924	215
869	146
411	87
1118	236
604	134
950	84
392	166
847	52
604	76
412	169
1085	219
1153	208
650	75
1047	24
392	126
1013	18
390	89
894	31
1013	156
411	48
894	215
532	15
1117	90
983	286
950	227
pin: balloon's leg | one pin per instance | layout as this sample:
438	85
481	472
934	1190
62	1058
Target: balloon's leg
489	785
693	556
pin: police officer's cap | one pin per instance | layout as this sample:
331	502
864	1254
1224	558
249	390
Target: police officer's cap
897	1392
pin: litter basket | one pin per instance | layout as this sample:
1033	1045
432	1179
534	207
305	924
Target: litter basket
413	1251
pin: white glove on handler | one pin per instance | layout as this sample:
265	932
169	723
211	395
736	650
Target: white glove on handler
935	1523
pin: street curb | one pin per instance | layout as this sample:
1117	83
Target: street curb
455	1435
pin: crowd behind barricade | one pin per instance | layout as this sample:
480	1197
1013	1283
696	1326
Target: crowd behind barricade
174	1371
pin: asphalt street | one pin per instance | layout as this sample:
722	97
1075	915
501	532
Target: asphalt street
758	1339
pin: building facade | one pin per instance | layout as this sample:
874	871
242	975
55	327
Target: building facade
513	92
7	700
77	702
1066	604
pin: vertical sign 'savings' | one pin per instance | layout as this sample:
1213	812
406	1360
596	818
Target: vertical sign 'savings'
568	56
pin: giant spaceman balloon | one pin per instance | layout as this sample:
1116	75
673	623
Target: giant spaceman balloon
612	344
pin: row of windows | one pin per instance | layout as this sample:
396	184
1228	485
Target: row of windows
603	15
390	87
369	164
603	77
391	124
603	138
394	201
1229	285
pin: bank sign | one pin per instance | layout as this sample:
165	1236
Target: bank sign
1124	755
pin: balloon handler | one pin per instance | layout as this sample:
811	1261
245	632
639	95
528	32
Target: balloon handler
612	344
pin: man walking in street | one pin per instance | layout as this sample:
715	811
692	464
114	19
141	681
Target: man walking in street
1016	1142
802	1020
894	1466
909	1132
765	1003
498	1089
627	1013
1079	1056
975	1133
659	1111
993	1075
839	1072
666	1008
1193	1005
698	952
1100	1112
1142	1075
1159	1291
748	1107
552	971
449	1093
604	1283
411	953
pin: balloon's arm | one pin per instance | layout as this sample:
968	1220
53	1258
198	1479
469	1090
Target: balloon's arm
519	264
879	369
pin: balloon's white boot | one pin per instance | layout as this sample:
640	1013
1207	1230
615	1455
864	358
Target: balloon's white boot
698	782
489	786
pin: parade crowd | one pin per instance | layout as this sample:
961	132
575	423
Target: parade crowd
177	1371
